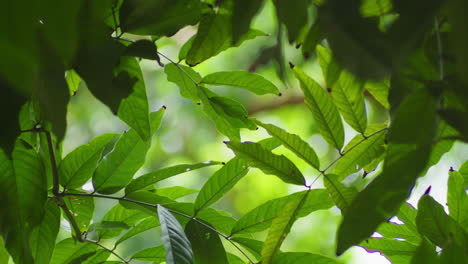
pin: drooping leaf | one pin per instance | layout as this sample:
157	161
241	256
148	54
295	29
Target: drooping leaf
261	217
206	245
185	78
146	224
390	247
43	236
79	165
117	168
281	226
294	143
437	226
164	173
232	111
156	254
269	163
410	138
302	258
361	150
160	18
143	49
243	12
293	14
323	109
73	81
82	209
330	68
243	79
176	244
313	37
221	182
214	36
70	250
379	90
340	194
134	109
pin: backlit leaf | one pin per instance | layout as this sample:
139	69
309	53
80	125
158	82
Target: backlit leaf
457	198
146	224
293	14
340	194
185	78
269	163
323	109
243	79
69	250
44	235
156	254
82	209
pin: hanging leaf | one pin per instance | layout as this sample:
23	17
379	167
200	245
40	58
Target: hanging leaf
177	246
160	18
243	12
118	167
134	110
143	49
281	226
330	68
313	37
164	173
82	209
293	14
185	78
392	249
425	253
323	109
294	143
247	80
457	198
79	165
206	245
214	36
379	90
269	163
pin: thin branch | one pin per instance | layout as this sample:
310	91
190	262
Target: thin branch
439	50
322	172
155	206
55	176
108	250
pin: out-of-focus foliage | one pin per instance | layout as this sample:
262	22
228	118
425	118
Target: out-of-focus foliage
115	113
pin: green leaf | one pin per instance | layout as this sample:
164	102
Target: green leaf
221	182
100	257
252	245
156	254
134	109
4	256
175	192
243	79
425	253
261	217
313	37
79	165
361	151
454	253
389	247
330	68
177	246
302	258
293	14
214	36
340	194
225	124
375	7
143	49
323	109
146	224
220	220
164	173
281	226
82	209
442	146
269	163
457	119
294	143
43	237
108	227
464	171
232	111
73	81
69	250
437	226
206	245
411	136
457	198
148	200
118	167
379	90
243	12
234	259
160	18
185	78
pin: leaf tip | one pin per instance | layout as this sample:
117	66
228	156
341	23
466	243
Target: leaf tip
280	94
428	190
164	107
291	65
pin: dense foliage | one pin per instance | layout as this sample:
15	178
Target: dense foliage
409	57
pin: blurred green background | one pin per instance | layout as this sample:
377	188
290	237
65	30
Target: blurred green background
188	136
